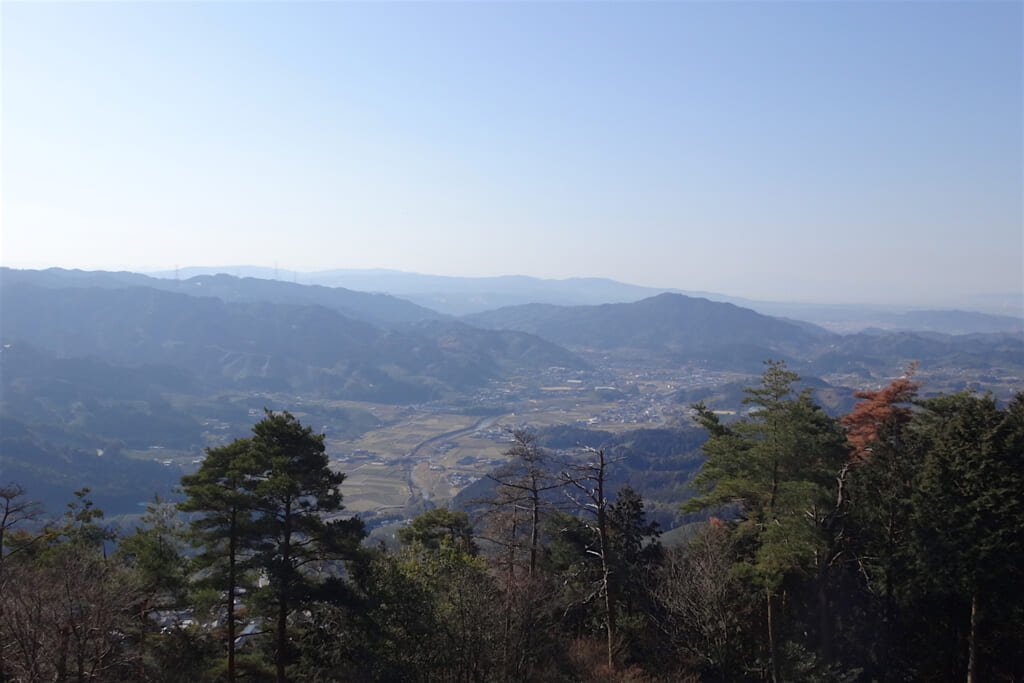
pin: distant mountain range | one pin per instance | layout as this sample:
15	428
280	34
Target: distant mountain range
378	309
94	364
264	335
468	295
453	295
253	345
680	329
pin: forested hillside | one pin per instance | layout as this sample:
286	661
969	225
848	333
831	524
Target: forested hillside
158	370
884	545
582	342
263	346
669	325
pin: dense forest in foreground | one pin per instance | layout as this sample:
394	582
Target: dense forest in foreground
883	545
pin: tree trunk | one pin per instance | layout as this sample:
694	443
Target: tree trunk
609	606
282	637
972	641
609	602
509	580
281	656
534	533
232	550
824	618
771	639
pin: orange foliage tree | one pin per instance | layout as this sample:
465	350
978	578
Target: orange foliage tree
880	416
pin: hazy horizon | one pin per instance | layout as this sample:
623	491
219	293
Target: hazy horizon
995	303
804	152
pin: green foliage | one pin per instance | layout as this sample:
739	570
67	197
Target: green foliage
779	466
51	461
157	551
624	568
185	654
973	470
435	527
416	616
779	470
265	502
968	512
634	547
224	531
81	525
907	532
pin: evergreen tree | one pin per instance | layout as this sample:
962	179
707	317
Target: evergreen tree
635	554
877	524
778	471
221	492
293	493
82	525
969	512
435	527
157	552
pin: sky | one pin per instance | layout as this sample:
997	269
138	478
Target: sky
820	151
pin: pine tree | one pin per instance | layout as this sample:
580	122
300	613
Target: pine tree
293	493
778	471
877	521
969	507
221	492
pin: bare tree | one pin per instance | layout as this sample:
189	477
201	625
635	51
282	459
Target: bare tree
698	594
14	510
516	513
522	488
66	616
585	487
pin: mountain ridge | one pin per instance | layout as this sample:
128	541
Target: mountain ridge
375	308
260	346
672	323
454	295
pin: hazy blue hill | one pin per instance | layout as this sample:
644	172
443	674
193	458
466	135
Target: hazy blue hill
854	319
467	295
450	294
669	323
883	353
681	329
52	472
953	322
96	404
265	346
501	351
464	295
140	325
60	278
378	309
1007	347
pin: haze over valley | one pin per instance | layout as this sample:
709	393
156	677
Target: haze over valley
511	341
119	381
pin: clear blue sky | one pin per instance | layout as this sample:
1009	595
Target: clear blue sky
776	150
